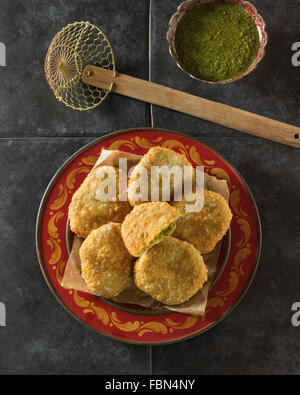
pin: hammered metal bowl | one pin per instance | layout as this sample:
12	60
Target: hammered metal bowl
186	6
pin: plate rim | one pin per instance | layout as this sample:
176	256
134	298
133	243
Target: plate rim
115	134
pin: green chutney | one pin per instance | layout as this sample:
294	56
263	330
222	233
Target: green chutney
216	41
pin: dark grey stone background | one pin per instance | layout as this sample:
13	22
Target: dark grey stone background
37	134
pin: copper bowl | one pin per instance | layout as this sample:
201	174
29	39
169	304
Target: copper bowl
186	6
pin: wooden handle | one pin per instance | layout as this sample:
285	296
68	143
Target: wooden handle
222	114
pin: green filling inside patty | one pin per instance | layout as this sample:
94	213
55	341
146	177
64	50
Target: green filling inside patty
164	233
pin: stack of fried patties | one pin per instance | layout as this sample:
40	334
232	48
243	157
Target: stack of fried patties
156	244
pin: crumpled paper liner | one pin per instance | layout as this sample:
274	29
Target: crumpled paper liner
132	295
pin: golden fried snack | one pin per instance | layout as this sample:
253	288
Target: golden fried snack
204	229
171	272
106	264
88	211
147	224
156	157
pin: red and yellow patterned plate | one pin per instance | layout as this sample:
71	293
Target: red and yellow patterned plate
237	264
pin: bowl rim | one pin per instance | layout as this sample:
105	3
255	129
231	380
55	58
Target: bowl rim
260	24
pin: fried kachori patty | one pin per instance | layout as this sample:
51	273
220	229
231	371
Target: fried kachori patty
88	211
147	224
204	229
106	265
158	157
171	272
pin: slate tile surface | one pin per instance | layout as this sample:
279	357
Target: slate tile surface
37	134
40	336
28	106
271	90
257	337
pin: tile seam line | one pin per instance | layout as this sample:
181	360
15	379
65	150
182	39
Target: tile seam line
150	119
150	56
102	135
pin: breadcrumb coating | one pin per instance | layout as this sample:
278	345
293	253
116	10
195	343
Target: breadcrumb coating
106	264
206	228
156	156
171	272
87	212
146	224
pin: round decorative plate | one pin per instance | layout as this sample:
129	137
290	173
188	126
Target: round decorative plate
238	260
